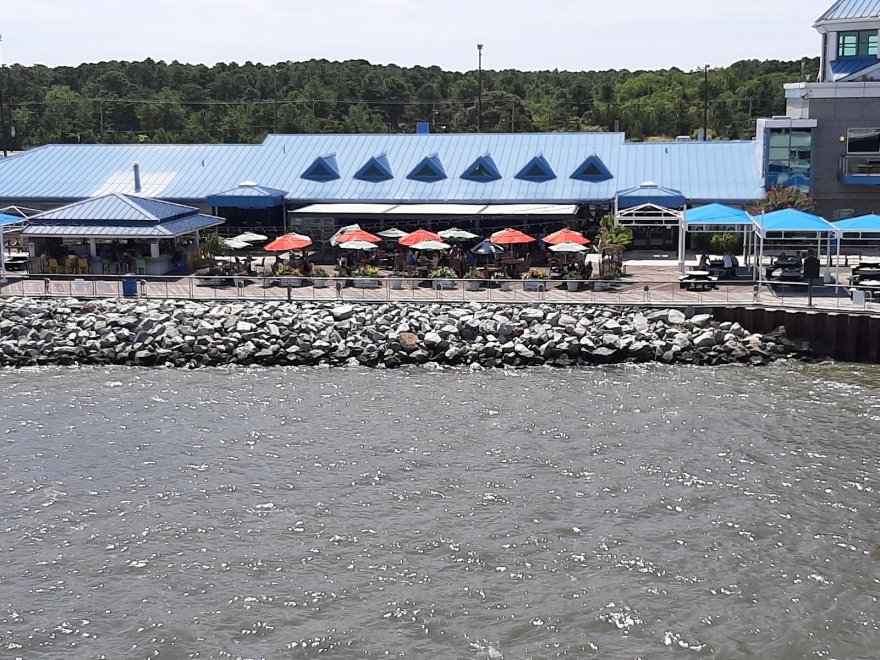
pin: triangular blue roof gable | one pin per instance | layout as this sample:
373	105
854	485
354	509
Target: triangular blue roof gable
717	214
794	220
482	170
375	170
324	168
429	170
117	207
536	170
592	170
869	224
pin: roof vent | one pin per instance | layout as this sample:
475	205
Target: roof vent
649	184
375	170
482	170
683	138
248	184
537	170
592	170
136	168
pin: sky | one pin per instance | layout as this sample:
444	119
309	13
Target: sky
574	35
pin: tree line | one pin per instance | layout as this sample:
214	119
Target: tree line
148	101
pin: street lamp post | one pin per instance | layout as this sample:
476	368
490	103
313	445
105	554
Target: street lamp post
705	102
479	88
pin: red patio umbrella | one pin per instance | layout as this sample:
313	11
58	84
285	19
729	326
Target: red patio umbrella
566	236
359	235
420	235
288	242
511	237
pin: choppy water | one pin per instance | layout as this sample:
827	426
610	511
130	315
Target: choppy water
626	512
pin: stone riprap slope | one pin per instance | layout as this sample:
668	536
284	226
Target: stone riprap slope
186	333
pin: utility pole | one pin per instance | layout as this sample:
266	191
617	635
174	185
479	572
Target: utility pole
2	107
479	88
705	102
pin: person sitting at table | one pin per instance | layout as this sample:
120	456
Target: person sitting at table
588	270
704	262
811	267
411	259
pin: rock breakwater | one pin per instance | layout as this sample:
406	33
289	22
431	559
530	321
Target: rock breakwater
188	333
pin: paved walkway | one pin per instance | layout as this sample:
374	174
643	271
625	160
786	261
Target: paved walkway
646	282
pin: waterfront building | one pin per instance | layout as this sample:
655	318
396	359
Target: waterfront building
828	142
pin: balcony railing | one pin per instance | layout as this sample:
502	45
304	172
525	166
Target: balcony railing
867	165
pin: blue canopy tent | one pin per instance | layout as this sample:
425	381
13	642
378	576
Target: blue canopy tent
864	224
8	222
793	223
717	218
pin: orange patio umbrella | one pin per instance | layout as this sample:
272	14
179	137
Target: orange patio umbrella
359	235
511	237
566	236
292	241
420	235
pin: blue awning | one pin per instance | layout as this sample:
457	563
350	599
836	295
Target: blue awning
717	214
792	220
650	193
11	219
864	224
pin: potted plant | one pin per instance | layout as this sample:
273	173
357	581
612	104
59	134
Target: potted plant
319	277
534	280
289	277
366	277
443	278
573	278
474	279
397	280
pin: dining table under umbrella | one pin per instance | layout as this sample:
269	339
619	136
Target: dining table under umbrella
511	237
357	235
430	246
418	236
566	236
288	242
456	234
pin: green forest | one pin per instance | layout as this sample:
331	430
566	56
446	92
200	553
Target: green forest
149	101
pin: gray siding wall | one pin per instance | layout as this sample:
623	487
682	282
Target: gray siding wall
834	117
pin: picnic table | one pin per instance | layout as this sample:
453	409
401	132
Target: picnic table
870	287
697	280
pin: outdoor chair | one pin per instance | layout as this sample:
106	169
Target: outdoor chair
141	266
83	266
53	266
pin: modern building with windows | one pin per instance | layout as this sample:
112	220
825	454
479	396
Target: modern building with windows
828	143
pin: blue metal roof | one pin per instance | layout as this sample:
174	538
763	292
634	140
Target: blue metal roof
169	229
848	66
793	220
248	195
717	214
848	10
866	224
702	171
116	207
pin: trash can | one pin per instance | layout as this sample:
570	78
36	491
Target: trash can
129	286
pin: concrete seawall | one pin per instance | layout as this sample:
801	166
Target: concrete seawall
842	336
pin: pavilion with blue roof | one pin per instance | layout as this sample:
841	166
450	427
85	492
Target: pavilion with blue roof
115	232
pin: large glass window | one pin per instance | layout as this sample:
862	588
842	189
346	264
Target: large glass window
857	43
863	140
788	158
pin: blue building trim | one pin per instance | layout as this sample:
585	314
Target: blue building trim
375	170
428	170
537	170
593	170
324	168
482	170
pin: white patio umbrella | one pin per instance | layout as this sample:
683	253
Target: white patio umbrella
341	231
430	245
235	243
456	234
357	245
392	233
250	237
568	246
